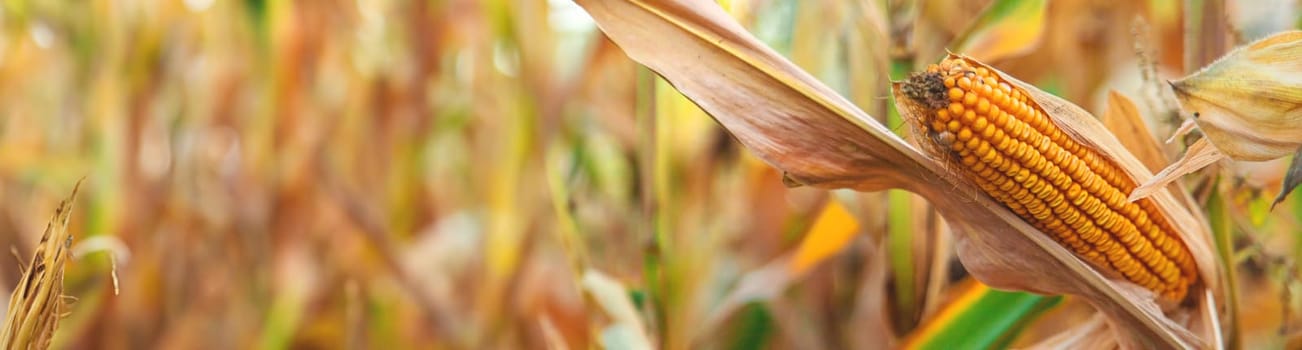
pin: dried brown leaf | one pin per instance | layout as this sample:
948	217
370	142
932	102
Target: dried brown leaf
791	119
1198	156
1185	128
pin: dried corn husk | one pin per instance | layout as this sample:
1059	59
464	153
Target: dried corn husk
1248	104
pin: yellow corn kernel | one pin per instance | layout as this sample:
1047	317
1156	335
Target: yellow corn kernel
1005	143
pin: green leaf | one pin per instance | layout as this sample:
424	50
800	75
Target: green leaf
1222	232
981	318
753	328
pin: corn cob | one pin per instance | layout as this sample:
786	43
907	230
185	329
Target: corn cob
1006	144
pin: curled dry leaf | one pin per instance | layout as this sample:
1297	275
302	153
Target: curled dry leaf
1199	155
1185	128
798	125
1249	103
38	302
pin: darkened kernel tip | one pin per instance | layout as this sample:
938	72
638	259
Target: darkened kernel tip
927	88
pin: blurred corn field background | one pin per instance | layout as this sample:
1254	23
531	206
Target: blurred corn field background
497	174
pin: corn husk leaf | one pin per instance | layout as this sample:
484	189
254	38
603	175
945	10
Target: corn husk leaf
800	126
38	302
1198	156
1124	120
727	72
1249	103
1185	128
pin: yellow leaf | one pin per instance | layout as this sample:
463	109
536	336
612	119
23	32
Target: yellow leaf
1198	156
830	233
1007	28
